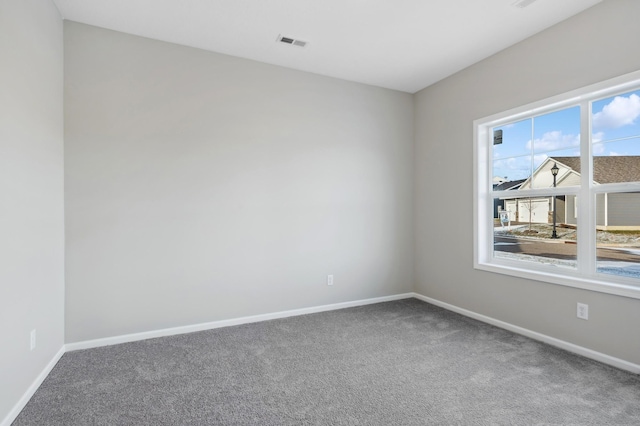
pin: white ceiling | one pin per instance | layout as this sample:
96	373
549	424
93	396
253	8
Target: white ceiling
398	44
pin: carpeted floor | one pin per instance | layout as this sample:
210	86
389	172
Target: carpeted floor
395	363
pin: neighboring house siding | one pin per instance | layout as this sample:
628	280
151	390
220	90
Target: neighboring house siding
612	210
571	210
601	210
624	209
560	210
511	207
573	179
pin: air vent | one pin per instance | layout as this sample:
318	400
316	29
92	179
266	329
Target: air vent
522	3
291	41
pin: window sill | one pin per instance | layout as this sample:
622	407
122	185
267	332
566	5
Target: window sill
567	278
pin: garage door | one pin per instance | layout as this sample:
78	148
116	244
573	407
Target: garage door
537	209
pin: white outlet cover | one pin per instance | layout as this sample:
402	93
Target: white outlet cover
583	311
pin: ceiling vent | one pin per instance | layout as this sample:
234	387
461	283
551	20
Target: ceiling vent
291	41
522	3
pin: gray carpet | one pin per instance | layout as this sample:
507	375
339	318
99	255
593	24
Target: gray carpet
395	363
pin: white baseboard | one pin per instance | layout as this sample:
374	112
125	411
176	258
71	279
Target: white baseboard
32	389
181	330
88	344
598	356
570	347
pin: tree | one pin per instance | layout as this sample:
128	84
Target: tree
528	205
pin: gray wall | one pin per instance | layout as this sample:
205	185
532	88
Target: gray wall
598	44
31	193
202	187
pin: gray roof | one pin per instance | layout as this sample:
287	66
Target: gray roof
610	169
512	184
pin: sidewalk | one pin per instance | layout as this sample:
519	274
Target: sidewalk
543	231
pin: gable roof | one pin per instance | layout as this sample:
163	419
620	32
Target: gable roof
610	169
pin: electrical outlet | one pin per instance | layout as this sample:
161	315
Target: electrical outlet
583	311
33	339
329	279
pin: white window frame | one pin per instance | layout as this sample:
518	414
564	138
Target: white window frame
585	276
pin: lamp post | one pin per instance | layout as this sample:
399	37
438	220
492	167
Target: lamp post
554	172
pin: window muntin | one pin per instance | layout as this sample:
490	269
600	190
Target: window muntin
579	151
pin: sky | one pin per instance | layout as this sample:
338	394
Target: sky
527	143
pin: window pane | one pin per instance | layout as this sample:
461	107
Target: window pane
616	117
510	172
616	138
524	230
567	164
512	154
618	233
558	130
617	161
556	135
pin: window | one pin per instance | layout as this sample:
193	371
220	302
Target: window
557	190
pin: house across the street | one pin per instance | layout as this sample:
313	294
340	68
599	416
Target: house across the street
615	211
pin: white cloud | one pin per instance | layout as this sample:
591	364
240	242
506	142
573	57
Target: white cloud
539	159
597	137
619	112
512	163
598	149
555	140
512	168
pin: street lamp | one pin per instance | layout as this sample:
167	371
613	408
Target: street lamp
554	172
